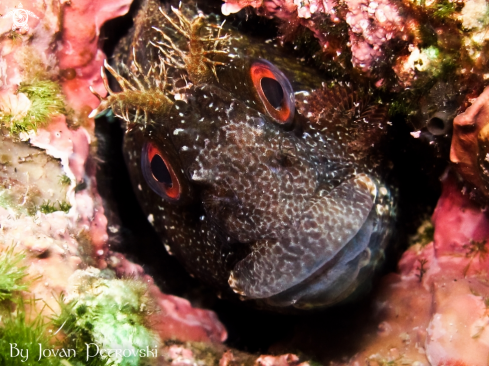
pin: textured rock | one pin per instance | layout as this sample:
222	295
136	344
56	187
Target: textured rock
469	144
434	311
371	23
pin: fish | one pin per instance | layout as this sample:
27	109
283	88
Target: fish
262	178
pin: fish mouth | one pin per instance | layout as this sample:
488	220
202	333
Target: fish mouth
336	280
341	278
326	279
330	284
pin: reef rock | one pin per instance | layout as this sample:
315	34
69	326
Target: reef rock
470	145
434	311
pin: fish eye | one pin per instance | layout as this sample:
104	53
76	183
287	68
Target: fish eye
274	90
158	173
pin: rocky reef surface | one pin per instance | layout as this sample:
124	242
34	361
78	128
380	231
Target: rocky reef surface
61	285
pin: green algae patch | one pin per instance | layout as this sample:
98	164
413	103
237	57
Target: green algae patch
109	314
444	9
21	338
11	275
64	180
32	107
105	315
9	201
47	207
21	331
47	100
38	98
424	235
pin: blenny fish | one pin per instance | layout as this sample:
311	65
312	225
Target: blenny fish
260	178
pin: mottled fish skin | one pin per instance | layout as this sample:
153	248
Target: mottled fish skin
287	209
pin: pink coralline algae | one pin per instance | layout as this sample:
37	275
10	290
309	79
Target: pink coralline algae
371	23
283	360
230	358
176	318
233	6
445	282
79	51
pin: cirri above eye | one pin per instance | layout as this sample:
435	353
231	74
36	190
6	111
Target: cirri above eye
274	90
158	173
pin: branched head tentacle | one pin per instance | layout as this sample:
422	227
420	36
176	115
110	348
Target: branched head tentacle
141	93
197	59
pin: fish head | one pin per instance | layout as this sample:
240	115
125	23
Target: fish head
262	189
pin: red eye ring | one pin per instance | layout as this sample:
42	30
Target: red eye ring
274	90
159	174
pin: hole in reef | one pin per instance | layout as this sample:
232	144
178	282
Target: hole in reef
436	124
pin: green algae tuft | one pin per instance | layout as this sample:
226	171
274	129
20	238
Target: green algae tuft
109	314
11	275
